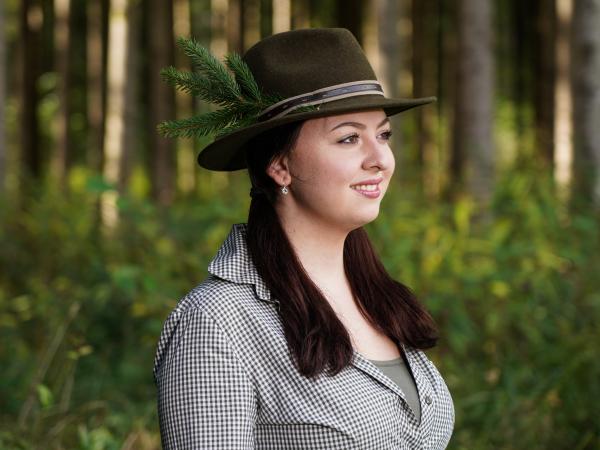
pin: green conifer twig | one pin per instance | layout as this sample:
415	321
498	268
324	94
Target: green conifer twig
231	86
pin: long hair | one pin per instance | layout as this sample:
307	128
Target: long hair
315	336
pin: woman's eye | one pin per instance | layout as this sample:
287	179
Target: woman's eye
350	139
387	135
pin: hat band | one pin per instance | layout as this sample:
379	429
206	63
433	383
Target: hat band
324	95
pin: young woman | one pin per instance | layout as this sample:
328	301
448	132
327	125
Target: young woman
299	339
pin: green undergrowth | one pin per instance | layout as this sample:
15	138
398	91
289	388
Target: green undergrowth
515	290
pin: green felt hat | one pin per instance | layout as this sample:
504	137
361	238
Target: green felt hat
300	74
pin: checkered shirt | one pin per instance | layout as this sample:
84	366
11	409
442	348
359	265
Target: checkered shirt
226	379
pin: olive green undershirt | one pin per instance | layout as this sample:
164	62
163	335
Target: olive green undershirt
396	370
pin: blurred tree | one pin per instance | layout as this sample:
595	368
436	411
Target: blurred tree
235	25
521	38
186	164
473	151
544	68
282	16
586	99
563	150
62	44
3	78
266	18
390	48
161	99
425	25
218	27
96	79
300	14
30	23
118	82
349	14
251	23
131	134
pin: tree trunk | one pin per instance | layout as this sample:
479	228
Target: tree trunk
388	38
218	25
114	138
30	22
131	111
282	16
235	26
96	81
383	21
62	42
300	14
161	101
474	100
3	149
201	28
585	72
349	14
186	160
266	18
251	23
563	153
544	68
425	70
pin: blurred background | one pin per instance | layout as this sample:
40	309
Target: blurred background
492	217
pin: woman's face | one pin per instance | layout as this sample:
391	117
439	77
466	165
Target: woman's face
339	169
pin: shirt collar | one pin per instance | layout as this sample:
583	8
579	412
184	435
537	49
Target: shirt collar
233	263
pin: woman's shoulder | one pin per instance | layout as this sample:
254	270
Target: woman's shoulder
221	300
231	308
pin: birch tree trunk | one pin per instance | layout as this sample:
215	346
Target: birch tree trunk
114	138
563	151
475	86
282	16
586	99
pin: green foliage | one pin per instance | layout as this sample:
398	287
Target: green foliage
516	299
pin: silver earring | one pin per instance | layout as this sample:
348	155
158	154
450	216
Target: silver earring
284	189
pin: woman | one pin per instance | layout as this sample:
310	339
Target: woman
299	339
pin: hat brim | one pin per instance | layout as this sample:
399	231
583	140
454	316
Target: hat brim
224	153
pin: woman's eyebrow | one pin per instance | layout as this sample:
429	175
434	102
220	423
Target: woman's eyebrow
358	124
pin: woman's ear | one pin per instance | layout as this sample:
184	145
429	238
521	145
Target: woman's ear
278	170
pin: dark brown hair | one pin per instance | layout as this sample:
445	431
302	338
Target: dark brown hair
316	338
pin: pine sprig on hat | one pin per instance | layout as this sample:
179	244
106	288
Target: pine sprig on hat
230	86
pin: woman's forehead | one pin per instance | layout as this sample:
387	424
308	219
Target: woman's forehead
328	123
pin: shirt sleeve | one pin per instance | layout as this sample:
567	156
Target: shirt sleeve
206	399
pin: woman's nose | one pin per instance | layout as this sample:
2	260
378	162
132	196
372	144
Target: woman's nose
378	154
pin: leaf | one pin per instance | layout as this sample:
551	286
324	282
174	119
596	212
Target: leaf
45	396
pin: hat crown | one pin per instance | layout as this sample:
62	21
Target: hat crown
300	61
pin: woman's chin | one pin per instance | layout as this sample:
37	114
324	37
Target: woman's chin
365	217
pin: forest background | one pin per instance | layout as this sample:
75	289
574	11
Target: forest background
492	217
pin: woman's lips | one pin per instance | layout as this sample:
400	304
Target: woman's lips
370	190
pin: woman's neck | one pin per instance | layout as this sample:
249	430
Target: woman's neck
320	249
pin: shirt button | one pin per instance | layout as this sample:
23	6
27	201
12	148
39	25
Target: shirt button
428	399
